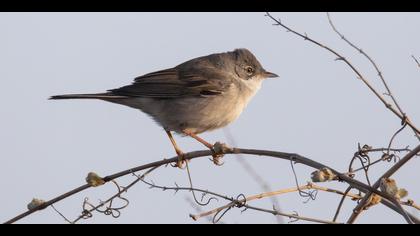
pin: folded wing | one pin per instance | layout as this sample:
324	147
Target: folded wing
176	82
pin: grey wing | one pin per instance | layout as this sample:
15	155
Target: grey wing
175	83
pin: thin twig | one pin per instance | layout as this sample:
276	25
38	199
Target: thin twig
292	216
359	75
394	136
95	208
384	157
309	186
178	188
198	209
61	214
359	208
415	60
403	117
380	74
340	205
253	173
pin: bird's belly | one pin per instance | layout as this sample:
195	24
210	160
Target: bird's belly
215	114
194	114
203	114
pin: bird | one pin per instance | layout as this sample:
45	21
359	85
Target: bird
196	96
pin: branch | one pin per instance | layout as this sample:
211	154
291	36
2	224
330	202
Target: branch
234	202
358	210
309	186
253	173
370	60
402	117
415	60
198	154
292	216
398	113
87	213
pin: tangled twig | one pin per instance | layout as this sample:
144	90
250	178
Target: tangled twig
197	154
368	195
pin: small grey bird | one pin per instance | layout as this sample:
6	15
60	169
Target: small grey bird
199	95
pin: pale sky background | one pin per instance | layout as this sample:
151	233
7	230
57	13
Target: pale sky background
316	108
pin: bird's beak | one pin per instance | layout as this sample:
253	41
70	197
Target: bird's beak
270	75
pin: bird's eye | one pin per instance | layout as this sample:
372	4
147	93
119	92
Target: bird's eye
249	70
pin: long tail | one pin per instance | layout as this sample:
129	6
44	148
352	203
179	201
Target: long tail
105	96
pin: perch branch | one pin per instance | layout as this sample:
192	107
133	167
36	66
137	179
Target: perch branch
197	154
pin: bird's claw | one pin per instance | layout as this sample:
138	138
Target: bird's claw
219	149
217	159
181	163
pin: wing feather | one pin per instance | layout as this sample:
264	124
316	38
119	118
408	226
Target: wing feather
177	82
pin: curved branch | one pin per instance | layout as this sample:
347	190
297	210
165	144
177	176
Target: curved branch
197	154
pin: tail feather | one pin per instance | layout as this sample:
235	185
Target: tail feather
86	96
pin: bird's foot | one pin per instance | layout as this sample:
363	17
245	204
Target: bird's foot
217	160
182	162
219	149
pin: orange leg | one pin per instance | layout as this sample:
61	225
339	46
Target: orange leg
178	151
194	136
216	158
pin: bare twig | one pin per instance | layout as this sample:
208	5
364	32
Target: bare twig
380	74
385	157
292	216
358	210
415	60
118	194
411	203
309	186
401	115
197	154
253	173
61	214
394	136
198	209
353	68
340	205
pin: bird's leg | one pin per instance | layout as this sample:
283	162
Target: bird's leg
181	161
216	157
194	136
